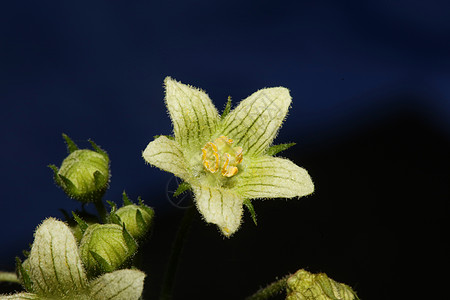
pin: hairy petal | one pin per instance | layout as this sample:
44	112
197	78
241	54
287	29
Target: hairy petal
166	154
118	285
274	177
55	265
254	123
219	206
193	115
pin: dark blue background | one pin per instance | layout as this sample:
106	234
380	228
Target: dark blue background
370	115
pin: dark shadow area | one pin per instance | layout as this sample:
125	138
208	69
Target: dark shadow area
380	207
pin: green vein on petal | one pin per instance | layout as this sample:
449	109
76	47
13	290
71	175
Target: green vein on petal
192	112
55	266
219	206
118	285
254	123
274	177
167	155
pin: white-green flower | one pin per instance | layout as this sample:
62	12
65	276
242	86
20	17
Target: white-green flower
54	271
225	159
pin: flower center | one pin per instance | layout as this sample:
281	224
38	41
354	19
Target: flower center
221	155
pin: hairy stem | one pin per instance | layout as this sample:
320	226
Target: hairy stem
273	289
8	277
100	209
177	247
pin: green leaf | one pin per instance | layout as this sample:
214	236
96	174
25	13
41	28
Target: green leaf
23	274
250	208
126	200
227	109
83	225
182	187
278	148
71	146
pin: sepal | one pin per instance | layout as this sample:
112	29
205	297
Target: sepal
251	209
272	150
125	199
23	275
182	187
227	109
80	222
71	146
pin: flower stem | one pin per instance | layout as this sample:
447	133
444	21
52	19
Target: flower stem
271	290
8	277
100	209
177	247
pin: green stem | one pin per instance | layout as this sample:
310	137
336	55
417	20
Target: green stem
100	209
273	289
177	247
9	277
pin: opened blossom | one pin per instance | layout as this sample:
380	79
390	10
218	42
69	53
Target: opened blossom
225	159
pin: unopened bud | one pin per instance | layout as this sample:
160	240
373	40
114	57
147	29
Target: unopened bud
304	286
106	247
84	174
137	219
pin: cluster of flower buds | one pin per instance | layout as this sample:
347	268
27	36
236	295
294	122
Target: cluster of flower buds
84	175
87	259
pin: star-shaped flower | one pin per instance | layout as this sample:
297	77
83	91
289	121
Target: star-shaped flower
54	271
225	159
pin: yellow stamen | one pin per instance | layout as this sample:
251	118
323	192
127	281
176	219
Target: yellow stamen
224	155
206	161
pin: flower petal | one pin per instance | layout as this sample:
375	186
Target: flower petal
254	123
55	266
219	206
166	155
193	115
118	285
274	177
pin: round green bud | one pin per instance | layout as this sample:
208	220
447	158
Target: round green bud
84	175
105	247
137	219
304	285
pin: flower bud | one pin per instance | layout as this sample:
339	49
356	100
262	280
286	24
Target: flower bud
84	174
304	285
106	247
137	219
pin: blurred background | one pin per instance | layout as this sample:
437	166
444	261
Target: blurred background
370	116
